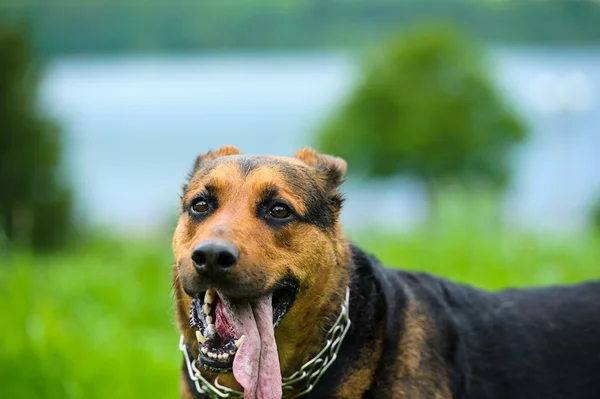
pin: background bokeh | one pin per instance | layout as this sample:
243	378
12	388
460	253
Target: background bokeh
471	129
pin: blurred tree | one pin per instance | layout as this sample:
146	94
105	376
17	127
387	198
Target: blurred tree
596	216
426	107
35	205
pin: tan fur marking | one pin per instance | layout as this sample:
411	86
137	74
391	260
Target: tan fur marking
227	150
214	154
412	340
313	158
420	372
308	155
265	174
184	389
361	377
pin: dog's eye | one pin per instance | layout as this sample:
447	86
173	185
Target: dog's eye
280	211
199	206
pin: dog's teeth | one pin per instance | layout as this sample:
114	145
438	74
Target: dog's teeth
210	320
204	350
209	296
220	356
206	308
225	356
213	355
211	330
240	341
201	338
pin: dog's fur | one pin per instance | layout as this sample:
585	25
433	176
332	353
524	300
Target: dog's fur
413	335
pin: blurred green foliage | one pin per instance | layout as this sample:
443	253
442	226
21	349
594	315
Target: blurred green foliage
93	323
35	203
100	26
97	322
426	106
595	222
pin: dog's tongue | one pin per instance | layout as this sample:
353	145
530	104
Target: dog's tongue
256	364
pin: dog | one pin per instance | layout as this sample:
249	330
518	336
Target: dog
273	300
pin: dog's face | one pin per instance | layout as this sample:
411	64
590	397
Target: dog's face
258	237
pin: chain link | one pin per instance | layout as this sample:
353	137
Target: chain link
310	372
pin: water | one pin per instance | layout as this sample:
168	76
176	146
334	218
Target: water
134	126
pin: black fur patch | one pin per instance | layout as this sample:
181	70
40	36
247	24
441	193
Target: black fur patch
248	164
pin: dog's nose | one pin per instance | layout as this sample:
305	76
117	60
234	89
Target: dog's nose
215	257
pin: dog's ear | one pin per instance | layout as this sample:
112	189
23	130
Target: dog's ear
209	156
214	154
332	168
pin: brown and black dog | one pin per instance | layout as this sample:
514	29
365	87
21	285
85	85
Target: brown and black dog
261	271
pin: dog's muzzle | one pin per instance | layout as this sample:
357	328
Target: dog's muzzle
298	384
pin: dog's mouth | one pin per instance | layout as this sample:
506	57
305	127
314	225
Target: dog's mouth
238	334
217	345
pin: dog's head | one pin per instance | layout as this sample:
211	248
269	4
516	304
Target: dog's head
258	246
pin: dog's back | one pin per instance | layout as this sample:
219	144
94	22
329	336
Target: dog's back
533	343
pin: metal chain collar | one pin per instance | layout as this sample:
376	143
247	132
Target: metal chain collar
304	379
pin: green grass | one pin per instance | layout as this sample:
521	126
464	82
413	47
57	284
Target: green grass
492	261
97	322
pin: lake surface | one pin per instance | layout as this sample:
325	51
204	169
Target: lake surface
134	126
